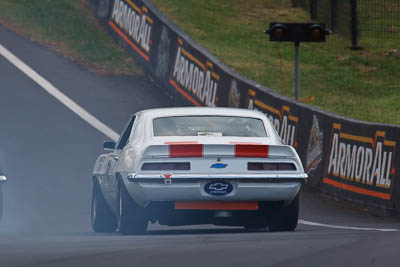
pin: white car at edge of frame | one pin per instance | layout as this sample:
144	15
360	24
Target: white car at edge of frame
197	165
3	180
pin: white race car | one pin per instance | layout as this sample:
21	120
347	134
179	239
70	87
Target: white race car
182	166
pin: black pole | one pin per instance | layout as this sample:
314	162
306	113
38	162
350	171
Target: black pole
354	25
334	7
297	70
313	10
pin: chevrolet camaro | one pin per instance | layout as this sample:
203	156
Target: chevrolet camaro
197	165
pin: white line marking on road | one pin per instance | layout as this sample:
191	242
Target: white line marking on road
346	227
69	103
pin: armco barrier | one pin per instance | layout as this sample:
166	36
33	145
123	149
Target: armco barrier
350	159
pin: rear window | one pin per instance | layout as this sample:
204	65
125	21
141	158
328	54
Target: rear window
209	126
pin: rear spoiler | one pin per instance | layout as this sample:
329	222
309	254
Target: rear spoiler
226	150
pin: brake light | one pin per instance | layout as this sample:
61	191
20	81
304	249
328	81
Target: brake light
270	166
251	151
166	166
186	151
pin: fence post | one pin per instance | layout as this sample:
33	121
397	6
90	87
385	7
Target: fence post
313	9
354	25
334	6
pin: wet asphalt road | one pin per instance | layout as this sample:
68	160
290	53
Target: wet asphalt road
49	155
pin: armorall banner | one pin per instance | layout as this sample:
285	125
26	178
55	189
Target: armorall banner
194	77
361	160
133	23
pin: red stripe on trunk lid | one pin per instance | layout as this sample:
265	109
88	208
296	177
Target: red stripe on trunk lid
251	151
186	151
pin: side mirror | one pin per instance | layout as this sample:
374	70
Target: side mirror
3	178
109	145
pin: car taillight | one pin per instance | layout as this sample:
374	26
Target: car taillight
270	166
166	166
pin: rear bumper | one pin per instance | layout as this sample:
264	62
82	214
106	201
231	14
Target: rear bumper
147	189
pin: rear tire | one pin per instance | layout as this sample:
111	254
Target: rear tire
285	218
132	217
103	220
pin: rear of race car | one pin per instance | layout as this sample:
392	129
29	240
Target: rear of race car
227	184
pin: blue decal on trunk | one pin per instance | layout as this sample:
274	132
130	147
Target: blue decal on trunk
219	165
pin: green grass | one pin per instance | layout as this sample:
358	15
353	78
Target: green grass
68	27
362	84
